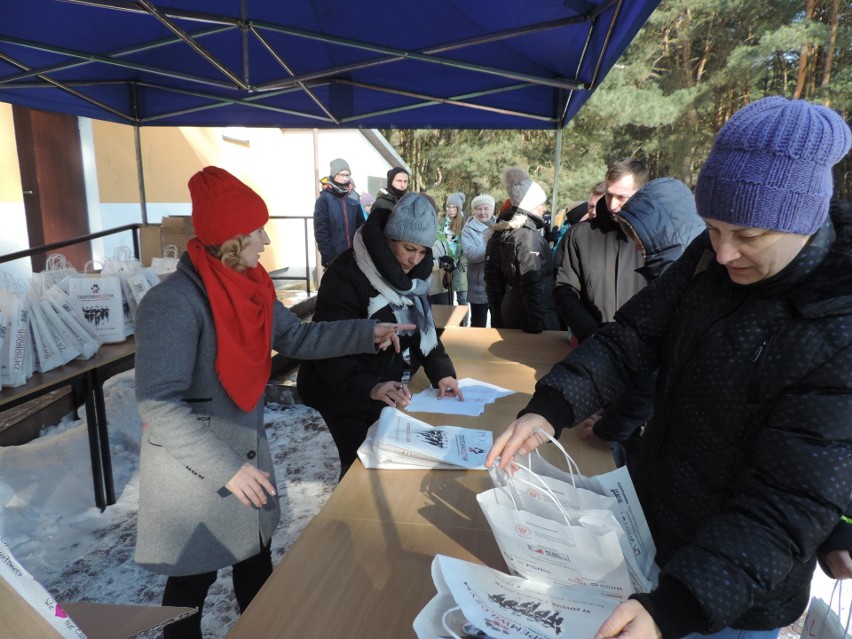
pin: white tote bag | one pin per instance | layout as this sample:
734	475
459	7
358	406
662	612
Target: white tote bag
16	357
616	484
477	601
824	621
168	263
85	337
98	299
49	349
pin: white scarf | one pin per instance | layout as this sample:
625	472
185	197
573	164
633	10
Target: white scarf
409	307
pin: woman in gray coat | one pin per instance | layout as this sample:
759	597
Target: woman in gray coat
474	238
204	335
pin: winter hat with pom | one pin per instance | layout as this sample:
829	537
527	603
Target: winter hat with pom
770	166
223	207
523	192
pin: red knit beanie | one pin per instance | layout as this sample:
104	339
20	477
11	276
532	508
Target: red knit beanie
223	207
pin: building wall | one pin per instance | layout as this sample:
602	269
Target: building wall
13	219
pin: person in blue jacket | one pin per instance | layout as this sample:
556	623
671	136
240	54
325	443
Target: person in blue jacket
337	212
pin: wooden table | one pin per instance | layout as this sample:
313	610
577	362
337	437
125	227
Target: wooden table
362	567
86	377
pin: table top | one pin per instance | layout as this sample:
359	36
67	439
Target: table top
40	383
362	567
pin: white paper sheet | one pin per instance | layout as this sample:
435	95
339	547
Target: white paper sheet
477	394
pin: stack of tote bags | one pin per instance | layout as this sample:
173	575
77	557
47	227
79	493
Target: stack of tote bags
63	315
576	547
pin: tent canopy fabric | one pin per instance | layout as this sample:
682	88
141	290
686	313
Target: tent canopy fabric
449	64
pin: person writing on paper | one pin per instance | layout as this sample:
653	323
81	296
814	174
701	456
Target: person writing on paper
384	276
207	496
745	468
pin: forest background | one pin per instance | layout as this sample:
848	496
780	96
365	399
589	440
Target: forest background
694	64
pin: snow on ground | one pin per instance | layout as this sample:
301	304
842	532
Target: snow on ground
49	519
48	516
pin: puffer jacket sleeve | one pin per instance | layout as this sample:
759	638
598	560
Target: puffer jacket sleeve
531	251
320	340
168	327
619	356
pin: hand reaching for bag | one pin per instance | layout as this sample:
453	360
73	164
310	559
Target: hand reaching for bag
251	485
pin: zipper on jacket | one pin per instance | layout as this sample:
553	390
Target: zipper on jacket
758	358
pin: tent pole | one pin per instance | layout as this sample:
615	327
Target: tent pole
556	163
140	174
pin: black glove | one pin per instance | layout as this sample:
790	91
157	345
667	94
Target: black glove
447	263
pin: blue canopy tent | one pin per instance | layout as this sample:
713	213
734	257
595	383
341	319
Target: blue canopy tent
492	64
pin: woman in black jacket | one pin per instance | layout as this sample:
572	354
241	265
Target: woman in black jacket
384	275
746	467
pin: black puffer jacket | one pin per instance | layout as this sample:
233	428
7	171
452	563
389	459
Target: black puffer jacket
746	467
342	385
519	274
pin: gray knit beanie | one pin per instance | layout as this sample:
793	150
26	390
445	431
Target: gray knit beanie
457	200
338	165
413	219
770	166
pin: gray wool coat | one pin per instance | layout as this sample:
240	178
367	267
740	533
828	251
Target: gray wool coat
474	238
195	438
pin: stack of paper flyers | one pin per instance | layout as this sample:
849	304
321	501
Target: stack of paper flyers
401	437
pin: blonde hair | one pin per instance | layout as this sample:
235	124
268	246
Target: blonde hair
229	252
456	223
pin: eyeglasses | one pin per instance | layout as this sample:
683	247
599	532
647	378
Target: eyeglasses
345	174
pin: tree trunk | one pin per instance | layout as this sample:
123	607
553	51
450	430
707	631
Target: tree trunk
803	55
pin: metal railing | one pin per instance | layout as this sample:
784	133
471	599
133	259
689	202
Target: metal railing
134	228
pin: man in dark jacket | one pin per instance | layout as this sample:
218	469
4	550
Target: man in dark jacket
595	262
746	466
390	194
337	213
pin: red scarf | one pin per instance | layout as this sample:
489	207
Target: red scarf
242	314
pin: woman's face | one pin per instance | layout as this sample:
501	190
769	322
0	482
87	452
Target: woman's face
250	255
483	212
408	255
752	254
452	211
343	177
400	181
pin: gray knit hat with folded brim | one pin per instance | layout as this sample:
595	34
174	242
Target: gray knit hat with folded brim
770	166
413	219
337	165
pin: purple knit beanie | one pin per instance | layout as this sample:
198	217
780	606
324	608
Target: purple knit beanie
770	166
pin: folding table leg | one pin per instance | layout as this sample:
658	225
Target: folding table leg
97	388
94	447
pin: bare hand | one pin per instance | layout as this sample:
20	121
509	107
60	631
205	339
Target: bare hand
629	621
588	425
520	437
449	387
248	485
840	564
391	393
385	334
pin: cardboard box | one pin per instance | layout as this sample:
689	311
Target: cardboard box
154	238
19	617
